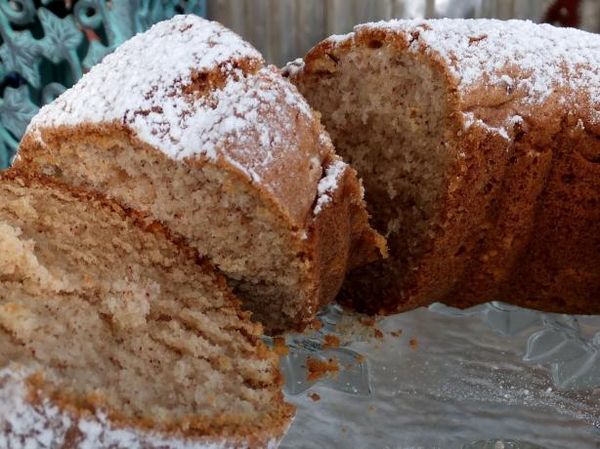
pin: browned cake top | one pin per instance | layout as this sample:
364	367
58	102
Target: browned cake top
491	61
196	91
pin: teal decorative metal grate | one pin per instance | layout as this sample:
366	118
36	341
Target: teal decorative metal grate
46	46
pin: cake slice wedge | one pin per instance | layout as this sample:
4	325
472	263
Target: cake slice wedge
113	334
188	125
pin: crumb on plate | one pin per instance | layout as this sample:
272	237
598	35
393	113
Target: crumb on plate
320	368
314	396
331	341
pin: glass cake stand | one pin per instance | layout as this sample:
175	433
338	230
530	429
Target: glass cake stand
490	377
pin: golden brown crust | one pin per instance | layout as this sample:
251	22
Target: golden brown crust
519	221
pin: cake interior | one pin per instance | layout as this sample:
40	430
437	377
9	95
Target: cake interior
117	318
385	113
257	251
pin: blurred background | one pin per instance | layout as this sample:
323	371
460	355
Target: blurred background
285	29
46	45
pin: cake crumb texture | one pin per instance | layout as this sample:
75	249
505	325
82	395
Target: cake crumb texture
114	334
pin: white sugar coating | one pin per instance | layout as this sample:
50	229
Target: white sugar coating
125	82
549	57
328	184
240	117
45	426
292	68
471	120
141	86
335	38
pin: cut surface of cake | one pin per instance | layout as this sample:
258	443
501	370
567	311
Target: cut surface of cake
186	124
478	142
115	335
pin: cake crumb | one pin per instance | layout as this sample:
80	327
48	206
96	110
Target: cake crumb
320	368
314	396
371	408
361	358
316	325
413	343
396	333
331	341
279	346
369	321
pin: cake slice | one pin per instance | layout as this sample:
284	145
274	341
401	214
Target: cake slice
114	335
479	145
186	124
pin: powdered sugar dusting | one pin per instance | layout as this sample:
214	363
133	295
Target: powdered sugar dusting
547	57
142	86
471	120
146	70
248	122
328	184
533	60
45	426
337	38
294	67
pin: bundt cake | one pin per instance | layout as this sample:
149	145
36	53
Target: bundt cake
115	336
478	142
186	124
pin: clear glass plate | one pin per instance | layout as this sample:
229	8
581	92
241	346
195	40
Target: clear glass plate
491	377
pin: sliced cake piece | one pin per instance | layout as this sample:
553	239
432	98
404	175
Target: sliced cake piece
115	336
186	124
479	145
